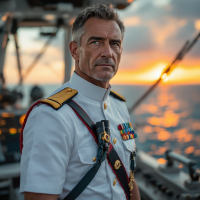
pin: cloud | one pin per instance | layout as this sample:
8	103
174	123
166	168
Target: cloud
195	51
183	34
132	21
138	39
197	24
162	31
185	9
161	3
161	26
182	9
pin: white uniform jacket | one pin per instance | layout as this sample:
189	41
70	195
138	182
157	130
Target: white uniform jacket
59	150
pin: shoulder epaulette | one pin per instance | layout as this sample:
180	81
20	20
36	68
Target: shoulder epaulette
59	99
118	96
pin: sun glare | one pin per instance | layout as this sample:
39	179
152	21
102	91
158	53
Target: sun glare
180	75
165	77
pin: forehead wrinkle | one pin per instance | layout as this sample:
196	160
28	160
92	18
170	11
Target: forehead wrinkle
104	36
105	33
104	30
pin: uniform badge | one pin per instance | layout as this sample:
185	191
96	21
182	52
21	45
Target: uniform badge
117	164
127	131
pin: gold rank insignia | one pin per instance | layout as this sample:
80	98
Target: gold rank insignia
59	99
117	164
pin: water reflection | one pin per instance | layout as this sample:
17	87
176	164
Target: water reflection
182	136
189	150
172	121
168	119
162	161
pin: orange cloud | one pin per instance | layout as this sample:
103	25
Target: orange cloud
131	21
161	32
197	24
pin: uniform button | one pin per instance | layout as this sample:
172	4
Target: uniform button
114	141
114	182
105	105
69	90
94	159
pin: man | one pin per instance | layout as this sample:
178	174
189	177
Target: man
58	148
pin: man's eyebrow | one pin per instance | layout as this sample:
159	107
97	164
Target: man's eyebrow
117	41
95	38
101	38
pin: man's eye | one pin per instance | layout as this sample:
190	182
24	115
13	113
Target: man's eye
115	44
95	42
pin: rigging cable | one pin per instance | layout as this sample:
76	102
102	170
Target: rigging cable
14	32
187	46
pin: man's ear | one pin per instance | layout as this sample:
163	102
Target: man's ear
73	47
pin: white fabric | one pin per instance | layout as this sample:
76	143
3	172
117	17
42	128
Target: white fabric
58	148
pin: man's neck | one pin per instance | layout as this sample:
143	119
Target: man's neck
103	84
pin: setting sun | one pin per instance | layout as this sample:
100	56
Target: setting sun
180	75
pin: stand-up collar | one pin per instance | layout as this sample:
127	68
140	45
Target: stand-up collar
88	89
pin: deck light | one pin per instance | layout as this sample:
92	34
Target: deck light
21	119
12	131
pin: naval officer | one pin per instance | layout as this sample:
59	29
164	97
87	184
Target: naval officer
58	150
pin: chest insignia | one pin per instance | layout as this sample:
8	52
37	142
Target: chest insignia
127	131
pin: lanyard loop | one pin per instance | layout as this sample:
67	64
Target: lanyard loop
103	140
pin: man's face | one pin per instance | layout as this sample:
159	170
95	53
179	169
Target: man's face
100	50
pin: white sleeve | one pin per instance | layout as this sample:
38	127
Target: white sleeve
46	151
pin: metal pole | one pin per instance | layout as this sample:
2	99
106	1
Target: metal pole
4	32
67	56
18	58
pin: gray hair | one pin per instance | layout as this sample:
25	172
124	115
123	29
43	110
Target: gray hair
100	11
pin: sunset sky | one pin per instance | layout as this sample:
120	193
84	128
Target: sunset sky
155	32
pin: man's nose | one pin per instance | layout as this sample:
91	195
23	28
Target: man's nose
106	51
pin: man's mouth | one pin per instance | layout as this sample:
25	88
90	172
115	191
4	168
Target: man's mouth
105	64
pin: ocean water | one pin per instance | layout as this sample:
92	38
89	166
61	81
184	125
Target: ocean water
169	118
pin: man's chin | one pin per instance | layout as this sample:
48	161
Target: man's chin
103	77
